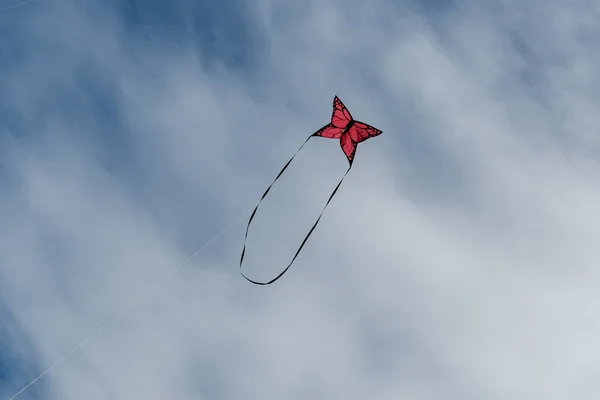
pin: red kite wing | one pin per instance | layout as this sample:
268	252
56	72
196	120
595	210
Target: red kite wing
340	116
359	132
348	146
329	131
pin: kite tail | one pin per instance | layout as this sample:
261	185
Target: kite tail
309	232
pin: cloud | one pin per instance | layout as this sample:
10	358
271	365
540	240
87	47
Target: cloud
457	261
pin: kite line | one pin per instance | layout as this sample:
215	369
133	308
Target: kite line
124	310
132	304
16	5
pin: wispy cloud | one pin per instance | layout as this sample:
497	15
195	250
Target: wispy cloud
458	261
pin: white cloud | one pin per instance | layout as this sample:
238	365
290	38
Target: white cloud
458	260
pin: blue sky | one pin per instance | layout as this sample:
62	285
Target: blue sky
458	261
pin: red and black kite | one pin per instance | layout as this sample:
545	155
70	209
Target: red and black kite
351	133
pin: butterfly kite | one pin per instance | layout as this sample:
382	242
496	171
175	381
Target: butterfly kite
351	133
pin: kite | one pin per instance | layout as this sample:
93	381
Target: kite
350	132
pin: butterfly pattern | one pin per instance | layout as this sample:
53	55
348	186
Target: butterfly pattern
347	129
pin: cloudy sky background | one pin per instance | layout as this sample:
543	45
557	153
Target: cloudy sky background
458	261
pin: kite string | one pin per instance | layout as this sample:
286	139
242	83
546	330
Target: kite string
124	310
316	134
131	304
16	5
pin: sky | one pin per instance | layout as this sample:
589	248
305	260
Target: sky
459	259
